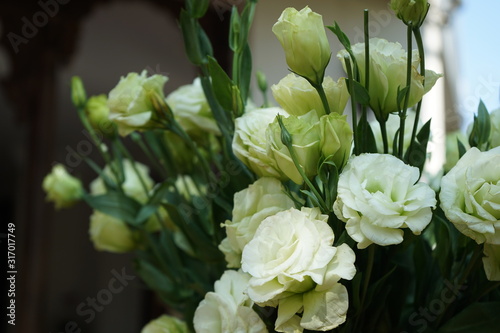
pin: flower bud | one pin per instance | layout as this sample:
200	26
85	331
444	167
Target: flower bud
305	135
97	112
62	188
78	95
411	12
165	324
388	66
303	38
298	97
336	138
111	234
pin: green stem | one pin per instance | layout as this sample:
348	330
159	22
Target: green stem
402	113
367	58
383	130
421	52
139	140
353	104
321	91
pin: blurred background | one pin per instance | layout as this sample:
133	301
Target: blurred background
44	43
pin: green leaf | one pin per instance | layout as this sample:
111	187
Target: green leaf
360	93
189	28
366	139
419	152
343	39
478	317
245	73
115	204
153	203
461	149
223	86
481	129
197	8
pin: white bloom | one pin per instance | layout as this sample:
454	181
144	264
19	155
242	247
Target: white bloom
132	186
263	198
378	195
191	109
165	324
470	195
250	143
228	309
295	267
130	106
491	262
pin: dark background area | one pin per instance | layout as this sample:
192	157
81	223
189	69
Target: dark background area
42	45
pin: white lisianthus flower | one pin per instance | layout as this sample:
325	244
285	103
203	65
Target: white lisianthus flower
250	142
388	63
228	309
294	266
165	324
306	136
470	195
62	188
191	109
491	261
132	186
298	97
263	198
110	234
378	195
130	105
303	37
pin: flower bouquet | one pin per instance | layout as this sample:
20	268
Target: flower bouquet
289	218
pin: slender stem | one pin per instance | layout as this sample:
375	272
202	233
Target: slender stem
147	151
421	52
383	130
402	113
353	104
367	59
321	91
366	282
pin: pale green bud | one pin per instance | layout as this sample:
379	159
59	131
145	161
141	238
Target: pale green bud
336	138
78	95
305	133
166	324
303	38
110	234
411	12
298	97
97	112
62	188
388	66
